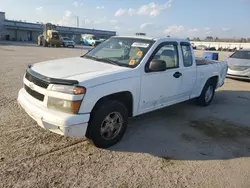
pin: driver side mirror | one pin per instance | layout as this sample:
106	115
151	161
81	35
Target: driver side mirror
157	66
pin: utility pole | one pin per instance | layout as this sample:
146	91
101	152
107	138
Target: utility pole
77	19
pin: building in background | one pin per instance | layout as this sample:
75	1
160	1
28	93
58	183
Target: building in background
25	31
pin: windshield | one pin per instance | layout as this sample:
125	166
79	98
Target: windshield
55	36
241	55
121	51
66	38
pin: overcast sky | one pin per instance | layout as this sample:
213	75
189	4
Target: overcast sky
179	18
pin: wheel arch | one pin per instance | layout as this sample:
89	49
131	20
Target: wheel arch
125	97
214	80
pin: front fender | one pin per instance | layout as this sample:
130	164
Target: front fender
97	92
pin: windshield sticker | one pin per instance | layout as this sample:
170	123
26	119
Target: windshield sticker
140	45
132	62
139	53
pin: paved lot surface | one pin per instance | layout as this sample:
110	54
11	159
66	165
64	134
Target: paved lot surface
180	146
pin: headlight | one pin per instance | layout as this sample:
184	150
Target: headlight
238	68
71	107
64	105
74	90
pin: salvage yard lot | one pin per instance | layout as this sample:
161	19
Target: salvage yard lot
180	146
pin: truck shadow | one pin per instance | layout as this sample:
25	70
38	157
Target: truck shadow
189	132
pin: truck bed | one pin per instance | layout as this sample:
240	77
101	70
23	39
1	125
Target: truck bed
202	61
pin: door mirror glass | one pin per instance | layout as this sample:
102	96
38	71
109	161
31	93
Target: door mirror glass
157	66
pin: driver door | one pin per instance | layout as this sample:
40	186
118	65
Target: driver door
159	89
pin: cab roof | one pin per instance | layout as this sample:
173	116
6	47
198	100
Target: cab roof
154	38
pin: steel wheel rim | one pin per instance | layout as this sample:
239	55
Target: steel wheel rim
111	125
209	94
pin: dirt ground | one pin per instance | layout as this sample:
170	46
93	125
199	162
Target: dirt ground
180	146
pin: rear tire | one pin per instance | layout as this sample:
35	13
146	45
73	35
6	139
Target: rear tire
207	94
107	124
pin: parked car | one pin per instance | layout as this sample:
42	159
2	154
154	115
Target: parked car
67	42
239	64
90	40
95	94
212	49
201	47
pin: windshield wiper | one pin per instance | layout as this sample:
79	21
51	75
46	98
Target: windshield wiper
106	60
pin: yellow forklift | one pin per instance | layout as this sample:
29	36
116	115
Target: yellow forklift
49	37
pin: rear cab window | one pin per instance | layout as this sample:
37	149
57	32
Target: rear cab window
187	55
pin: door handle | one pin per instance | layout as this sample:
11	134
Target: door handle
177	74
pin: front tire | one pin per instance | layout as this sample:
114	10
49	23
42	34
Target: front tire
107	124
207	94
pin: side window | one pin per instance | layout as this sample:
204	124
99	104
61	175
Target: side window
169	54
187	55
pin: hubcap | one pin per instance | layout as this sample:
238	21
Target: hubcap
111	125
209	94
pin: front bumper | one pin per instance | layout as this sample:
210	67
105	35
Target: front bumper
238	77
69	44
54	121
243	75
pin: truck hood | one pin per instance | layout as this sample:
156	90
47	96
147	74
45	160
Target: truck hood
77	68
238	62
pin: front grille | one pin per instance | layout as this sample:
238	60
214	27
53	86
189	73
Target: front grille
34	94
36	81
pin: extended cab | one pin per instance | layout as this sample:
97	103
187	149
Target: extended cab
95	94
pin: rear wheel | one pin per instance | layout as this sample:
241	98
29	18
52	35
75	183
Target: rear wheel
108	124
207	94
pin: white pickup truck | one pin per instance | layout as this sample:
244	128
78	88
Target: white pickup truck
95	94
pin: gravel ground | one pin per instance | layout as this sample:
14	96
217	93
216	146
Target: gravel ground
180	146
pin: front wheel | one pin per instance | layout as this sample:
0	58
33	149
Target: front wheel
108	124
207	94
